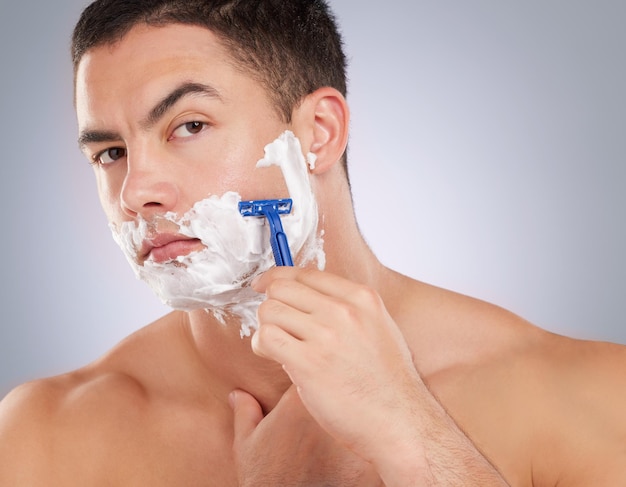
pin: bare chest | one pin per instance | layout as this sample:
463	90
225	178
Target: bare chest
196	450
183	448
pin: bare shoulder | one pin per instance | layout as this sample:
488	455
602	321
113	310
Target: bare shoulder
64	428
42	425
545	408
140	415
570	396
584	399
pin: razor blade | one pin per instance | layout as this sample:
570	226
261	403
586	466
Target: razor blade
272	209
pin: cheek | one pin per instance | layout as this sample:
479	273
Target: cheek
109	197
209	166
239	163
264	183
231	171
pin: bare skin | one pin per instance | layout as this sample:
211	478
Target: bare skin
358	375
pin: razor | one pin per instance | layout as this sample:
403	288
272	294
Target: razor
272	209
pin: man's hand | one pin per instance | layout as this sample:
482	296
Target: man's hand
355	375
346	356
288	448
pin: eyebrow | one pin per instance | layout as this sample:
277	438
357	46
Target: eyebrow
158	111
95	136
185	89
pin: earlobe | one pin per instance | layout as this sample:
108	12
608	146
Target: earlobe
324	116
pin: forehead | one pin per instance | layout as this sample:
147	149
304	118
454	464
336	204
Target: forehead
147	60
145	43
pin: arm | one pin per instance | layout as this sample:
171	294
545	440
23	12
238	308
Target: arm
354	373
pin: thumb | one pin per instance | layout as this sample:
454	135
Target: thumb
247	414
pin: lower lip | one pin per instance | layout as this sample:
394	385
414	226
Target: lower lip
173	250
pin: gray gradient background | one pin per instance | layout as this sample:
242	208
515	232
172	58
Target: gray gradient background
487	156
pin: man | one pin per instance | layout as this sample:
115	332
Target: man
356	375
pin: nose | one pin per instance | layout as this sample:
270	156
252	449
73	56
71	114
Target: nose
148	188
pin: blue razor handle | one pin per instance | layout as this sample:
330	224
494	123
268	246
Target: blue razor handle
272	209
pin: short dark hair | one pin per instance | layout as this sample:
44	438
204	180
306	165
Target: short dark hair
292	47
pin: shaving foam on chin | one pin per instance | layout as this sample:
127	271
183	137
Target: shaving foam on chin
236	249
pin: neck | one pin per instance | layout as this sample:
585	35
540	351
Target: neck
230	362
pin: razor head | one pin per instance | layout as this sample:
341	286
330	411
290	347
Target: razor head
272	209
261	207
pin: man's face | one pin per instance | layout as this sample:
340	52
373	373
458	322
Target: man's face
167	120
175	132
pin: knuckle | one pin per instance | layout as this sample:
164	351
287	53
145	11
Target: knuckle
274	287
264	334
309	271
279	288
366	296
266	310
269	337
346	312
262	339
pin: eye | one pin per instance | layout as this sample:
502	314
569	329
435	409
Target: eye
188	129
109	156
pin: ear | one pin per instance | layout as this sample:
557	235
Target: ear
321	122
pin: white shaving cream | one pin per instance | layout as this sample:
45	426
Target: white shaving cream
237	248
311	159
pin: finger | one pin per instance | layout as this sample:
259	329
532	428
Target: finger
247	414
338	287
274	343
294	293
306	290
279	313
323	282
260	283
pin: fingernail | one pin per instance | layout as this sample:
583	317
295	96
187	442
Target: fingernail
255	281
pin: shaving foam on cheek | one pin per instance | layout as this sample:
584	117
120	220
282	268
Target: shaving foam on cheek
302	223
236	249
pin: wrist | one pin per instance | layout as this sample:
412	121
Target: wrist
404	468
400	453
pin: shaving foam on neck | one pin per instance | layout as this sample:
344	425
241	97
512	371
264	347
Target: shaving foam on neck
236	249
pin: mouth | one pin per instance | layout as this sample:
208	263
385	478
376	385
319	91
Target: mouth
166	247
